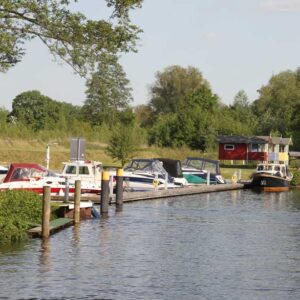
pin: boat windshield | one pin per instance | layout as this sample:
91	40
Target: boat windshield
202	164
27	173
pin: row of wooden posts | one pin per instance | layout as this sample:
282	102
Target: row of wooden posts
104	203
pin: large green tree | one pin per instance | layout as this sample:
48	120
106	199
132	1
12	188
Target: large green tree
69	35
184	108
108	92
172	86
277	104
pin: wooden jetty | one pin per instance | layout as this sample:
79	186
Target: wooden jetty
55	226
141	196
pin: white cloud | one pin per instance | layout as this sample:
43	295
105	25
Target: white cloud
280	5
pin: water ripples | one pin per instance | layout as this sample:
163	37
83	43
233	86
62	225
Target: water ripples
226	245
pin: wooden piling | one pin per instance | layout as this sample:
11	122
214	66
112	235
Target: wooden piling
46	212
77	201
104	193
119	190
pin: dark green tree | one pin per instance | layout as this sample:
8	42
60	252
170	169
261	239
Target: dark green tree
69	35
191	121
39	112
108	92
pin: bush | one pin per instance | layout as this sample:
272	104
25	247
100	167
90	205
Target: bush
19	211
296	178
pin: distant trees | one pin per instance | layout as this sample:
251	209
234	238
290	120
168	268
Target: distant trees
69	35
108	92
39	112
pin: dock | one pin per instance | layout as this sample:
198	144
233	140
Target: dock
55	226
162	193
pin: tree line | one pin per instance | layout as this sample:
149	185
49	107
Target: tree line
182	109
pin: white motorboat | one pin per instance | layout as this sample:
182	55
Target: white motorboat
147	175
196	170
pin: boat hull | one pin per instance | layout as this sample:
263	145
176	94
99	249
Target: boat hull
266	182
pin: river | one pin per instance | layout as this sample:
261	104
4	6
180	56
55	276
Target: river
225	245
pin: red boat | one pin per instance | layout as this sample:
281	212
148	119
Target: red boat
33	177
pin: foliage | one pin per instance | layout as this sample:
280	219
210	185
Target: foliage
68	35
184	108
122	145
40	112
18	211
172	86
296	178
277	103
108	92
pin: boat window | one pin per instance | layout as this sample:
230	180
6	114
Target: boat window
277	168
71	170
20	173
84	170
197	164
260	168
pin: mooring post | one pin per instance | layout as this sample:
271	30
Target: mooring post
104	193
77	201
46	212
119	190
67	188
208	178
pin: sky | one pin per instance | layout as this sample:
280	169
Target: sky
236	45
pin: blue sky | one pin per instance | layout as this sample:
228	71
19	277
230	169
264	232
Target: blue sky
236	44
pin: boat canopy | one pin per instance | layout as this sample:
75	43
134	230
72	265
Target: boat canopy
146	165
25	171
201	163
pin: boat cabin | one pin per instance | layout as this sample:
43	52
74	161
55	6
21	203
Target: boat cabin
84	170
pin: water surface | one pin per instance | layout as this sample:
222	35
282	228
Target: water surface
226	245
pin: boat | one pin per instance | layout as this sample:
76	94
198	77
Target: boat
174	169
147	175
33	177
271	177
3	172
196	170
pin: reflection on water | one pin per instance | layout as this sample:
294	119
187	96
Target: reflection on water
227	245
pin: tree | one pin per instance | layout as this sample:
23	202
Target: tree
68	35
277	103
39	112
193	124
108	92
241	99
121	146
172	86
